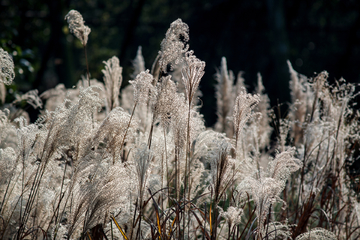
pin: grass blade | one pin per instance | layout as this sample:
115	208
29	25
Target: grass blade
118	226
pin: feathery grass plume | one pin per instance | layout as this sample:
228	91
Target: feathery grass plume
264	128
159	152
264	192
197	175
299	98
245	103
172	51
127	93
224	98
318	87
111	133
357	211
317	234
167	101
71	127
77	26
192	72
325	137
164	110
54	97
178	127
176	76
59	96
317	135
222	169
142	159
277	231
127	101
144	90
223	175
232	215
110	195
83	190
204	149
174	45
206	144
145	94
7	73
329	108
112	80
49	190
18	106
283	165
9	173
29	137
240	84
138	63
31	97
266	189
24	181
7	130
8	161
180	123
96	192
249	150
284	129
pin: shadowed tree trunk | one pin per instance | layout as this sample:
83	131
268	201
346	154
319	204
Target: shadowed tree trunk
55	51
279	48
129	34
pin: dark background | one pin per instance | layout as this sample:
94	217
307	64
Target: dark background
255	36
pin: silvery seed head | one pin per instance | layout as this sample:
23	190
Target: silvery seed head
7	73
77	26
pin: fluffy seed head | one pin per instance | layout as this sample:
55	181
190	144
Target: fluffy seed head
7	73
112	79
174	44
77	26
138	63
143	88
192	73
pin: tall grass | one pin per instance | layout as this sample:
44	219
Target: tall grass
100	163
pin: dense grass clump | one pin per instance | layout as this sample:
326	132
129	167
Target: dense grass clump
100	163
